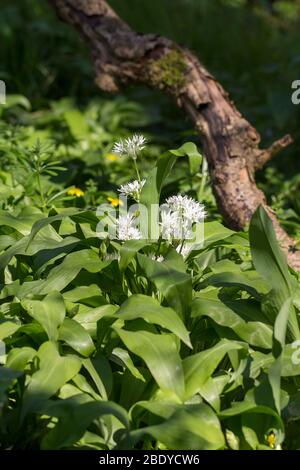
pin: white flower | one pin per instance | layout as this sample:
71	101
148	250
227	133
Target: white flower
130	146
132	189
175	226
126	228
159	258
169	224
187	207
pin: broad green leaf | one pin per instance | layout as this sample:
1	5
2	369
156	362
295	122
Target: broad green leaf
199	367
54	371
255	333
192	427
40	224
212	389
148	308
268	258
49	312
22	223
72	333
100	372
83	385
128	251
160	354
8	328
245	407
17	100
63	275
190	150
90	318
271	263
122	357
280	329
152	188
175	286
214	232
249	283
74	417
18	358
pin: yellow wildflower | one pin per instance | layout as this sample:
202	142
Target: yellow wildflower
112	157
271	440
75	192
114	201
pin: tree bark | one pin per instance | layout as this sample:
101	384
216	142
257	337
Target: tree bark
231	145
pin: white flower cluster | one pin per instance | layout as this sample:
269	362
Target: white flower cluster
178	216
130	146
127	229
132	189
187	207
157	258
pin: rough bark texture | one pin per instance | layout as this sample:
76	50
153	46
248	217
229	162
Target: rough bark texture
231	145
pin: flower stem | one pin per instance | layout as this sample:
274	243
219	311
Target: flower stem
203	180
136	169
158	245
181	246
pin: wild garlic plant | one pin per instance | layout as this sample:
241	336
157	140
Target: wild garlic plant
177	215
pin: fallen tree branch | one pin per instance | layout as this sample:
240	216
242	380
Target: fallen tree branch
231	145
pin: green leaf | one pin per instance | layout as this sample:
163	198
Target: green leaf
128	251
191	427
54	371
22	223
63	275
175	286
17	100
190	150
160	354
89	319
271	263
151	191
142	306
214	232
76	123
75	416
198	368
8	328
18	358
280	329
246	282
268	258
124	359
72	333
49	312
40	224
98	374
255	333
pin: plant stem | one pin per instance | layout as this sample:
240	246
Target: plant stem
40	189
203	180
158	245
136	169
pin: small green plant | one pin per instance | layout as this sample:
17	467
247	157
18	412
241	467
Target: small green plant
38	162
